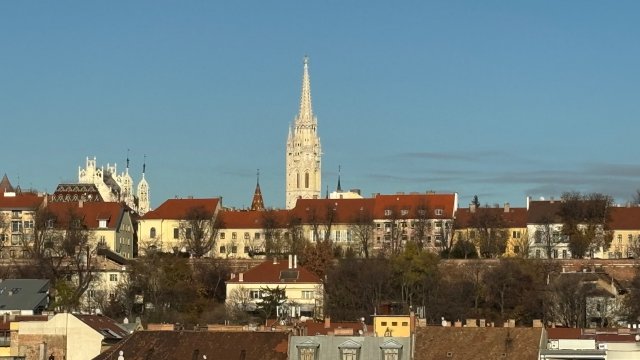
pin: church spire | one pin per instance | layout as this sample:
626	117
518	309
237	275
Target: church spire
257	204
306	111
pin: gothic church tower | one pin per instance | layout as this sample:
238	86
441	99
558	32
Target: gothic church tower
303	150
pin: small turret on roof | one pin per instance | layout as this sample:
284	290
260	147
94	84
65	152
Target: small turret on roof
5	184
257	204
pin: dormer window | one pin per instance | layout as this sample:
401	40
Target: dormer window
388	212
102	223
439	212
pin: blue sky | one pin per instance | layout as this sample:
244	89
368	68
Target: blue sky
502	99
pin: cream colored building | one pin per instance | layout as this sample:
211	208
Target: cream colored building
65	336
304	154
625	224
17	210
303	289
160	229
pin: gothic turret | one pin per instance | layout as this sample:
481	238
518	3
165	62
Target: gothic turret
303	149
257	204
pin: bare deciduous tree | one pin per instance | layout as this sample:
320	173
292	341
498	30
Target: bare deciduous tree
199	230
362	229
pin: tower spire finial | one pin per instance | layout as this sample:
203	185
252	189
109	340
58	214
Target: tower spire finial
339	188
127	159
306	110
144	165
258	178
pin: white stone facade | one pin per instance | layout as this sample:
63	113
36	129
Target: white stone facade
303	155
114	187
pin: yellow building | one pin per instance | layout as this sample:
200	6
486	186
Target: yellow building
625	224
392	325
17	215
510	222
166	228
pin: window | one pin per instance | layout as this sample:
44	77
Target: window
246	249
16	226
234	249
28	224
102	223
234	236
307	295
222	235
383	323
439	212
388	212
152	233
390	354
394	323
246	236
256	236
113	277
307	353
516	249
438	224
16	239
564	254
50	223
16	214
254	294
404	212
619	238
223	249
537	254
176	233
338	235
405	323
349	354
306	180
515	234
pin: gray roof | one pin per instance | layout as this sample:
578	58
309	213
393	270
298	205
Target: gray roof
24	294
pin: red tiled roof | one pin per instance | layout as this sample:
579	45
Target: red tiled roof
20	201
411	202
542	211
104	325
345	210
177	209
514	218
270	273
91	213
180	345
438	342
235	219
625	218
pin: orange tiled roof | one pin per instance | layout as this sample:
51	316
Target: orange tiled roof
513	218
177	209
346	210
539	210
237	219
91	212
445	202
270	273
625	218
20	201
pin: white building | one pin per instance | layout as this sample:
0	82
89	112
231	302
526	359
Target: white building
114	187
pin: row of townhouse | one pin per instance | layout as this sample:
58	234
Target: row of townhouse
369	224
537	229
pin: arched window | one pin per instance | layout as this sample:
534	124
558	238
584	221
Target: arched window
152	233
298	180
306	180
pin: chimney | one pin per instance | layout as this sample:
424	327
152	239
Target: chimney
507	207
290	261
275	260
80	203
233	276
241	277
472	208
327	322
295	261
